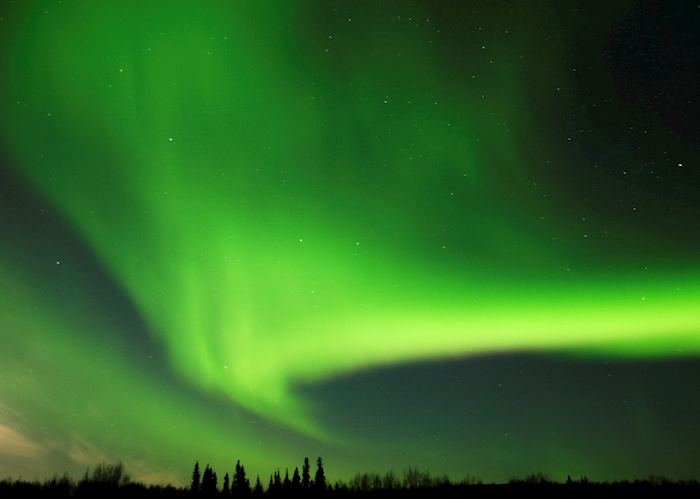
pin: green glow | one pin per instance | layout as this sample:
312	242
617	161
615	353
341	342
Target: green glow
278	221
86	389
198	187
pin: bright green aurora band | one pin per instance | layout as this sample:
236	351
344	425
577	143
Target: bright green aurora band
285	197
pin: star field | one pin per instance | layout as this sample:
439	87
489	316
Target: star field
243	231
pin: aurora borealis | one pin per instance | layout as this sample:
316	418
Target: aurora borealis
458	235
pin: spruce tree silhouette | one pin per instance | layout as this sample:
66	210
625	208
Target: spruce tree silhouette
226	491
196	477
258	490
286	483
241	485
320	477
208	487
296	480
306	474
278	481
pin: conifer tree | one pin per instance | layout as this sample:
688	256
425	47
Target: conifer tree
226	490
296	479
208	486
258	490
206	479
196	477
236	473
241	485
306	474
278	481
320	478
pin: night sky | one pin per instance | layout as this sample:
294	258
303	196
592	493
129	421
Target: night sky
463	236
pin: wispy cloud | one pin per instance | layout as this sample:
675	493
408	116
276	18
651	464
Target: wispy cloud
85	453
13	443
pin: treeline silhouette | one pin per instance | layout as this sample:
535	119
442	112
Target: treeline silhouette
111	480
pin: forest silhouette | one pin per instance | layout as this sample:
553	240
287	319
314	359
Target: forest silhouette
112	480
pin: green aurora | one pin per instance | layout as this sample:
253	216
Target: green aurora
288	193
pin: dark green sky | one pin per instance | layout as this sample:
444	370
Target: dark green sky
458	235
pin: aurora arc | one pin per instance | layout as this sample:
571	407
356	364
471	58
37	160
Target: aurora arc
274	236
